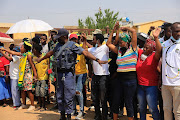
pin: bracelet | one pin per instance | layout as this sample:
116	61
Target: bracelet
97	59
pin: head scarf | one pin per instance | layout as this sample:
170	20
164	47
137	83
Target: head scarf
151	43
124	37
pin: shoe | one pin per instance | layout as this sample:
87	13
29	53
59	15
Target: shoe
31	108
63	117
79	116
54	107
43	109
15	107
74	113
68	116
38	108
22	107
120	113
4	105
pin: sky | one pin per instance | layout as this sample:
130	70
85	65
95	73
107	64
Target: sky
59	13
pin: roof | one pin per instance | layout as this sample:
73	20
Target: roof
6	25
137	24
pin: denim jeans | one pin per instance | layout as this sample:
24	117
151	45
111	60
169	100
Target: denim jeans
99	96
80	80
15	92
148	95
126	89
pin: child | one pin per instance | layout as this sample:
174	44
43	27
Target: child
27	70
41	83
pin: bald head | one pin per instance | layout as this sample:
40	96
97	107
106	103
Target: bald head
176	30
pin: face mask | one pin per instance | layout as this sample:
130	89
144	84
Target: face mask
173	39
143	57
96	45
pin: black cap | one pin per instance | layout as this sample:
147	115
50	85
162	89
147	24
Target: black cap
25	39
163	25
61	32
142	36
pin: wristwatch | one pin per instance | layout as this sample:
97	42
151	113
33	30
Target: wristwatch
97	59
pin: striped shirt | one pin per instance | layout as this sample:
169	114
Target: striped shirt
127	62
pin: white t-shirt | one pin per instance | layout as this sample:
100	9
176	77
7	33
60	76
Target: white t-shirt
161	40
170	75
101	53
14	67
45	48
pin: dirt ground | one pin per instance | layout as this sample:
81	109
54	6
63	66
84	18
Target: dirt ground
8	113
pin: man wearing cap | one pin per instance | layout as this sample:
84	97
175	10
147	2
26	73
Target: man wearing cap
81	75
65	62
101	75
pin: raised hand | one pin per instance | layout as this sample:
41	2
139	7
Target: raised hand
156	32
83	36
116	26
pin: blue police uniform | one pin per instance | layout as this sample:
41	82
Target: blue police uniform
66	80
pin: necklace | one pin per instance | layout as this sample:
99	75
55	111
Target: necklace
167	64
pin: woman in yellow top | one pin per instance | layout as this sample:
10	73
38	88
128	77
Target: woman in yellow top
42	76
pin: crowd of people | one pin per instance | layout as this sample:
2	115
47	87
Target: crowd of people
128	69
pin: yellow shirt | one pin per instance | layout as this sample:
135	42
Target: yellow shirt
80	67
41	68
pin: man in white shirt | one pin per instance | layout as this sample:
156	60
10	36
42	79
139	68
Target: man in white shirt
43	40
14	75
101	75
171	74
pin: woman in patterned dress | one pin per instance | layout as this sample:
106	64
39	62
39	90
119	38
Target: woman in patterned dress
26	73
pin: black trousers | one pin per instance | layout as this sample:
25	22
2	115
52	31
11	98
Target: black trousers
99	95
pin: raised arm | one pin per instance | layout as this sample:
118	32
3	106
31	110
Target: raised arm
92	57
6	56
117	38
48	55
134	37
117	34
156	33
11	52
85	43
109	42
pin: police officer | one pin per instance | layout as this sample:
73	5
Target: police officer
65	70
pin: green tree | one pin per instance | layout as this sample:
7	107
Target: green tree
103	19
80	23
89	23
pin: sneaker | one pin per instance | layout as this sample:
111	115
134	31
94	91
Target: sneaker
79	116
74	113
38	108
15	108
31	108
120	113
43	109
22	107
